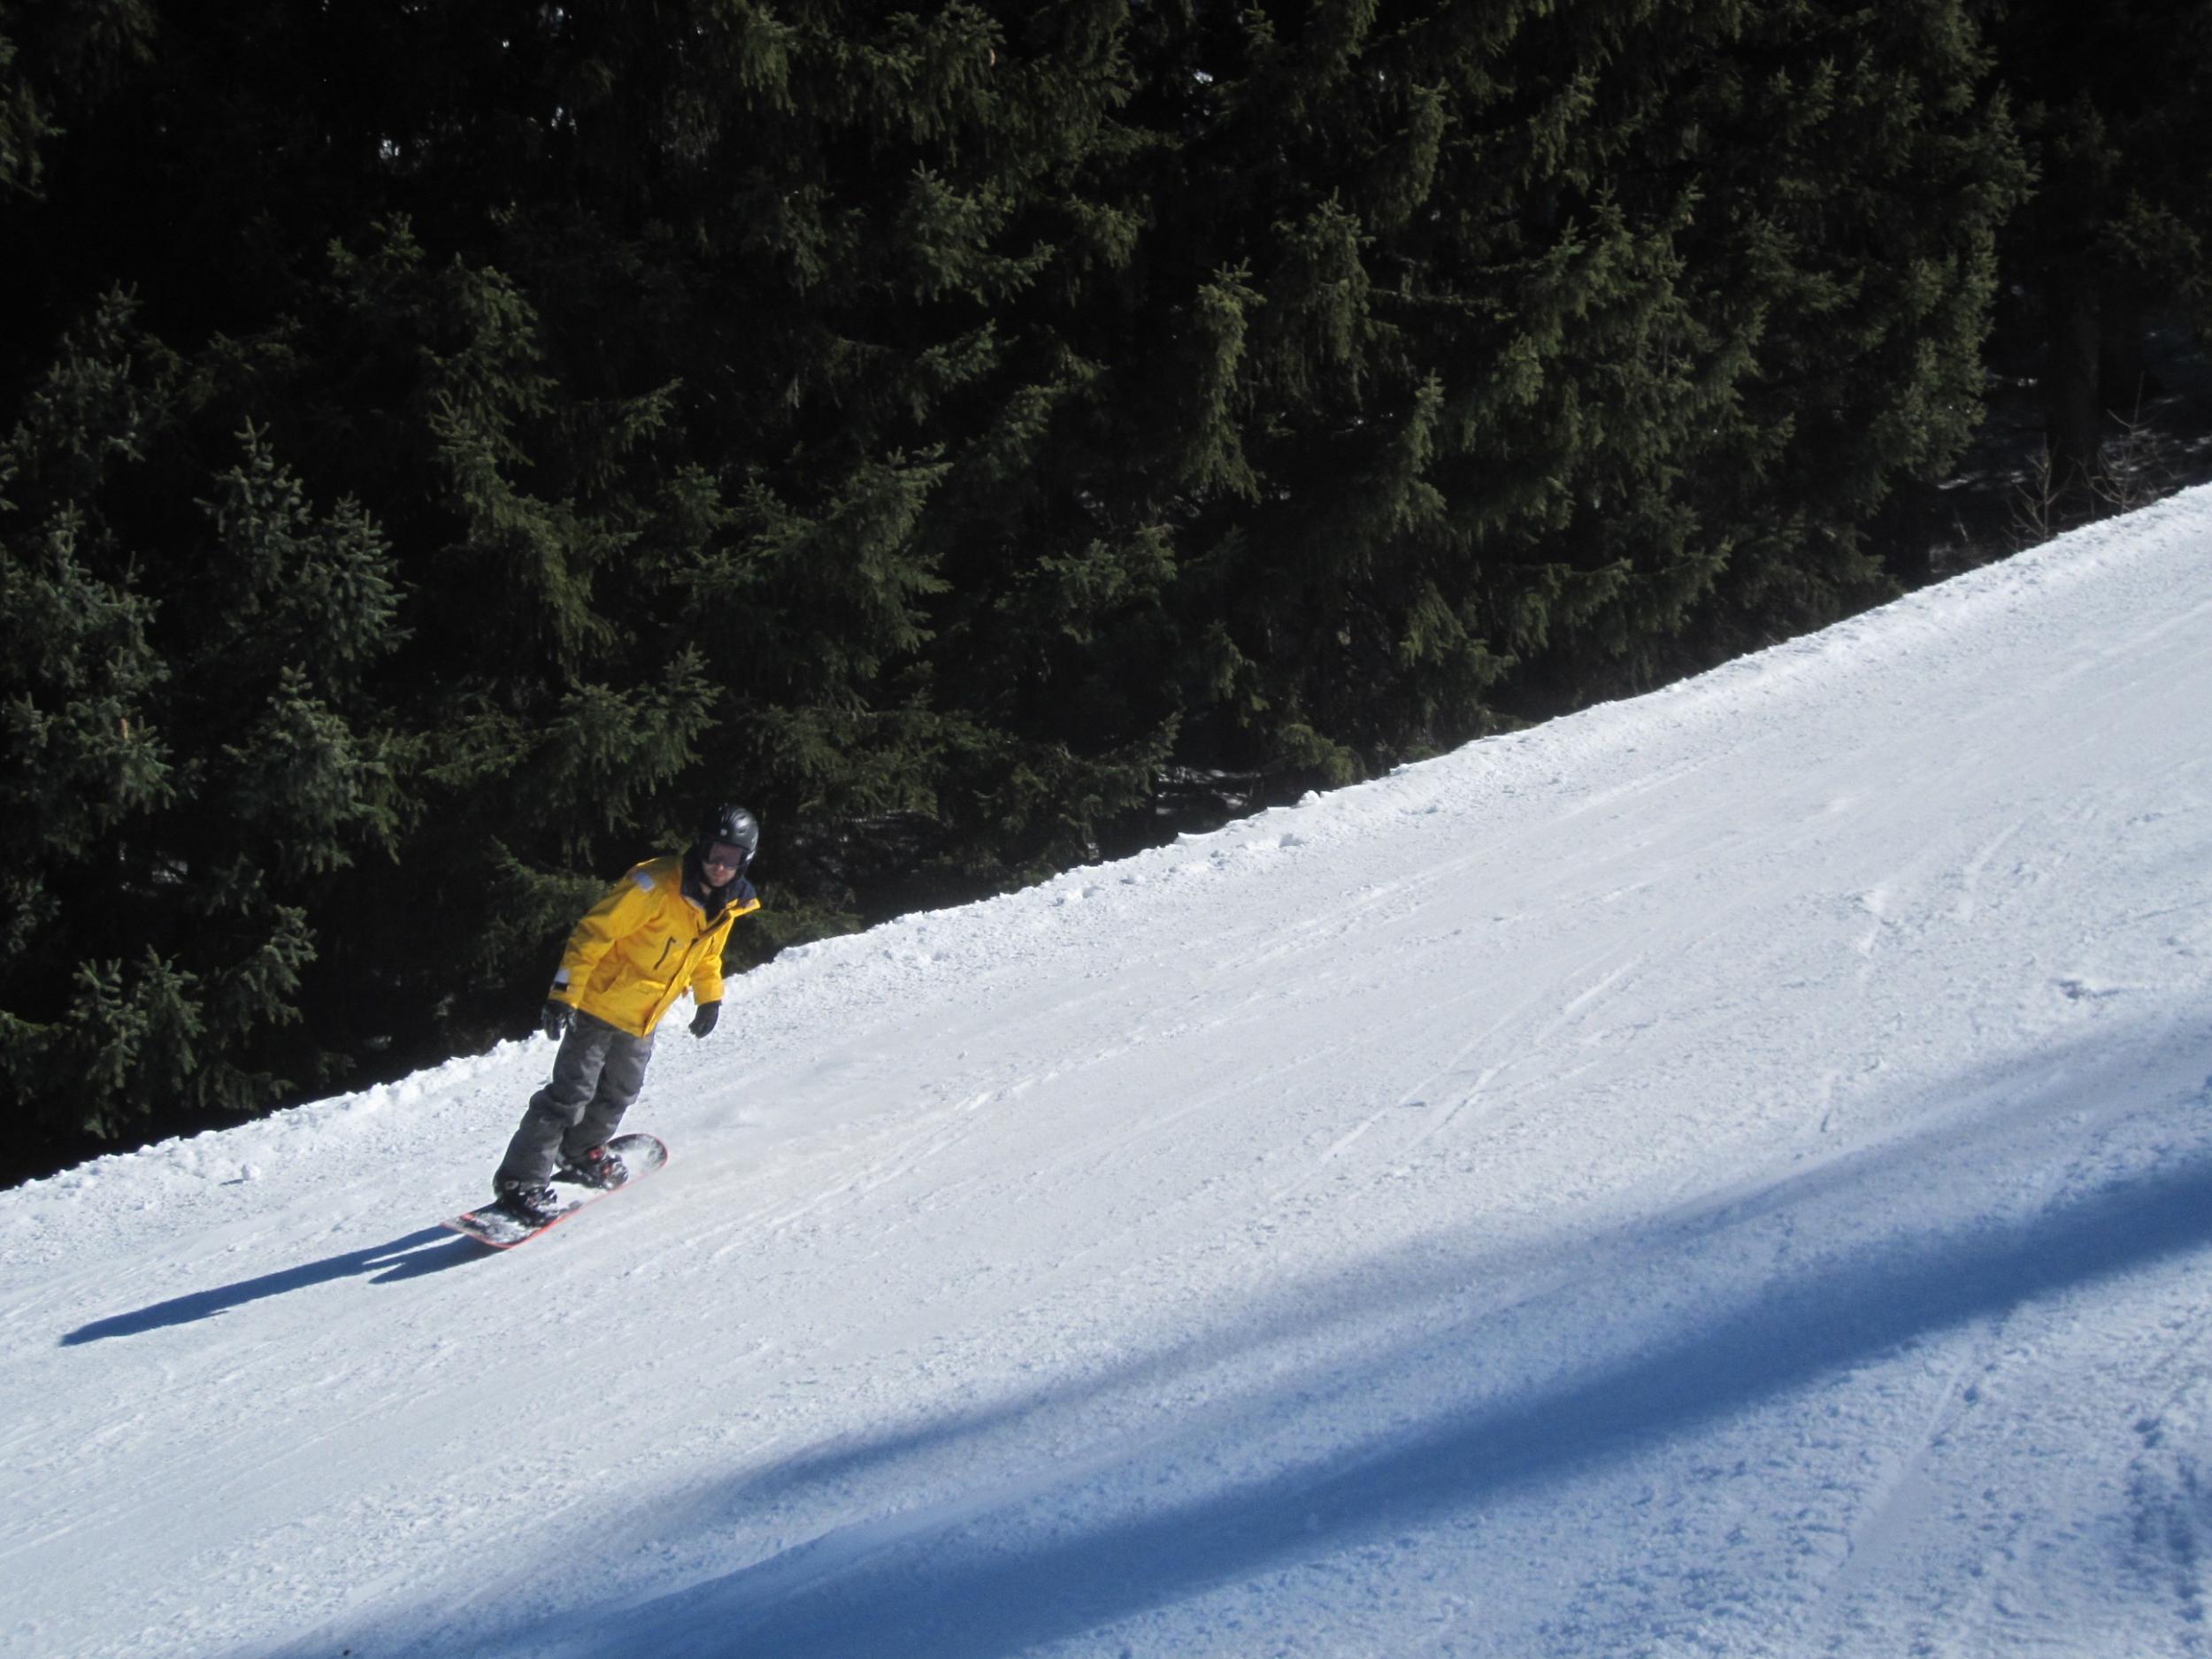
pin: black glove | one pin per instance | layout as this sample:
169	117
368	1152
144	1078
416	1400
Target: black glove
556	1018
702	1022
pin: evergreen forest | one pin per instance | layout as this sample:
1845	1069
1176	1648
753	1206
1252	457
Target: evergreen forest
444	446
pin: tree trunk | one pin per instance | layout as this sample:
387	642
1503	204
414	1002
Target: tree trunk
2074	412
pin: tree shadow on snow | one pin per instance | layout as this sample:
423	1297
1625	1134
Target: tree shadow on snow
995	1573
406	1258
946	1597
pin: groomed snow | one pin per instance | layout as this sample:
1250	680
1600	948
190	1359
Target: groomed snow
1727	1173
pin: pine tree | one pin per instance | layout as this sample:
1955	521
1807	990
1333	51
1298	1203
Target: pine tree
2117	106
56	60
168	776
935	428
1459	365
1856	167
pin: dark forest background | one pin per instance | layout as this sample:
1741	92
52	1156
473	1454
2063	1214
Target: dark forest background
441	445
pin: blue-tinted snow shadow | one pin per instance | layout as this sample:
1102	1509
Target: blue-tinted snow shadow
936	1593
406	1258
920	1566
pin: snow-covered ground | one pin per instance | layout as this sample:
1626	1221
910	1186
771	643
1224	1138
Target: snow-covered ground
1730	1172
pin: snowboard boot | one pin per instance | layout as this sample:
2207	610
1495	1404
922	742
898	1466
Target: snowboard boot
598	1168
535	1203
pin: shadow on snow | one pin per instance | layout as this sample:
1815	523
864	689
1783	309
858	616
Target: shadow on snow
930	1583
403	1258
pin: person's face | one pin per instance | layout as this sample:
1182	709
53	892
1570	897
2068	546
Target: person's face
723	861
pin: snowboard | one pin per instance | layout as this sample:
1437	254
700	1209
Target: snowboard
502	1228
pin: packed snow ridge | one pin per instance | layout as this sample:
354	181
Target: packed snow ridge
1729	1173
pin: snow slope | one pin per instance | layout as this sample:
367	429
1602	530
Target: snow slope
1727	1173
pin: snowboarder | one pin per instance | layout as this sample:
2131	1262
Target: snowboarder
655	933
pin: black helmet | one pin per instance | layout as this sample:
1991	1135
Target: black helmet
732	825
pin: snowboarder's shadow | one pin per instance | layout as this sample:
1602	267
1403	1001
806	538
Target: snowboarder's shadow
405	1257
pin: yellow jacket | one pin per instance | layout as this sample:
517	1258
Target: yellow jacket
644	944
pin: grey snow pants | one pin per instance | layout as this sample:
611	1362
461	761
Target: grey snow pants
596	1077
